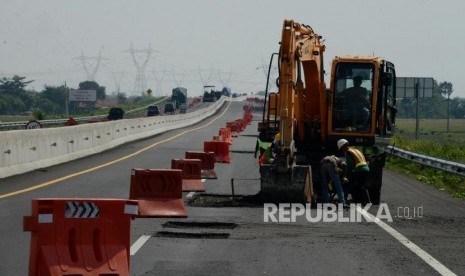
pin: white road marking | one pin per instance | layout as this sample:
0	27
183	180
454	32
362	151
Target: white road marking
440	268
138	244
191	194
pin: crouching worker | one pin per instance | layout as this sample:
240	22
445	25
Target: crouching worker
357	172
330	169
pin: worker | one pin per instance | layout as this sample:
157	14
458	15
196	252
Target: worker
357	91
357	103
260	147
330	169
357	172
269	155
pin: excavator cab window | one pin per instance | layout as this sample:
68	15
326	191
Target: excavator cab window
353	97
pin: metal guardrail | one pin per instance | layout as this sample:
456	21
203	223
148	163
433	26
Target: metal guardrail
78	119
444	165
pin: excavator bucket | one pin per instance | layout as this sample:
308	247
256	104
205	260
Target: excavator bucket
293	186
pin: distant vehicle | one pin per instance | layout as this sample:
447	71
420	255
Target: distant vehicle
169	108
183	108
153	110
179	96
115	113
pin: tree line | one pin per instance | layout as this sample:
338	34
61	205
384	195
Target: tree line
435	107
15	99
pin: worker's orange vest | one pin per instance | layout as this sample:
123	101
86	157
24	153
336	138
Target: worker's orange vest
358	157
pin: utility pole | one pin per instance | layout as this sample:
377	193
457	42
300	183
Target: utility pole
66	100
446	88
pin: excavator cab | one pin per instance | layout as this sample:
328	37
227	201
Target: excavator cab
361	100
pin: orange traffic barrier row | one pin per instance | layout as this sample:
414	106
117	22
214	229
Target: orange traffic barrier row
208	162
226	134
159	192
233	126
220	149
248	117
71	236
241	125
191	174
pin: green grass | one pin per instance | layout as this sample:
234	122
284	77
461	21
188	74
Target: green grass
433	130
434	140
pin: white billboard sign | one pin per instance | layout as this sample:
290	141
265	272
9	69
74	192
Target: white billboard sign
82	95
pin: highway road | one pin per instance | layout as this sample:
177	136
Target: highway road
226	237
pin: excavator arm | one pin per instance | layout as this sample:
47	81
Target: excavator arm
300	90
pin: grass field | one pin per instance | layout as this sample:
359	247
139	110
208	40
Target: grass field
433	130
434	140
15	118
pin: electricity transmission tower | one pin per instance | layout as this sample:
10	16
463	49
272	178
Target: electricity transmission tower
159	80
117	78
88	62
205	80
224	81
140	85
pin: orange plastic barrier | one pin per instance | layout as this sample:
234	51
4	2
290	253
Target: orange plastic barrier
221	150
233	126
248	117
159	192
208	162
191	174
76	236
226	134
241	124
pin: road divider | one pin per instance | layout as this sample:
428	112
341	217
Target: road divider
71	236
159	192
191	174
220	150
26	150
207	165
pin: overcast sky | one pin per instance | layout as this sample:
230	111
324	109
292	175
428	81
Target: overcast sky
219	42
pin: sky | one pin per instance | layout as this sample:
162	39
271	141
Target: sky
193	43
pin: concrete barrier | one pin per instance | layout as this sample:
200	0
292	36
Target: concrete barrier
27	150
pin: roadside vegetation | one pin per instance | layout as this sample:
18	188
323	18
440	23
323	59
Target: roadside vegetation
434	141
19	104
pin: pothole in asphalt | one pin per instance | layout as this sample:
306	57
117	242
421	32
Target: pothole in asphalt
195	224
190	235
214	200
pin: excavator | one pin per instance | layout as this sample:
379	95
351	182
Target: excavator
304	119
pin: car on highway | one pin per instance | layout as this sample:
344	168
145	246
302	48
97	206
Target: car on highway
183	108
153	110
115	113
169	109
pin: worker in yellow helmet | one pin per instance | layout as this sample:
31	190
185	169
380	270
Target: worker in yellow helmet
357	172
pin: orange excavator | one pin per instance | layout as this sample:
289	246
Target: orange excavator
359	106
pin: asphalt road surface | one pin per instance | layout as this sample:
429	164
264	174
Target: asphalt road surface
229	236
